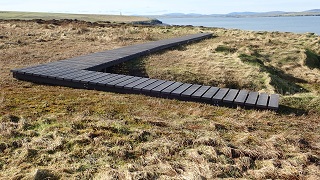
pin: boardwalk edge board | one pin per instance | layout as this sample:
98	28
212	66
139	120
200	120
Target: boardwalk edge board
82	72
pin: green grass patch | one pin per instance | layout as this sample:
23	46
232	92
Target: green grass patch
303	102
287	60
282	82
312	60
120	129
225	49
251	59
7	15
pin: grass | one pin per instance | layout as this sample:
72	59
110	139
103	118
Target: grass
10	15
225	49
58	132
312	60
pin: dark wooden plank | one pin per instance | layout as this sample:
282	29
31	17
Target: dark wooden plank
49	70
53	75
134	79
70	65
161	87
180	89
42	68
241	98
113	78
86	80
78	72
22	70
220	94
89	75
210	93
105	77
113	83
252	99
33	70
230	97
131	85
72	75
198	94
153	85
263	100
54	70
144	84
30	72
48	74
76	75
171	88
190	90
274	102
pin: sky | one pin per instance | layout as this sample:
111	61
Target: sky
157	7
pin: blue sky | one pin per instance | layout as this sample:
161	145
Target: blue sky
149	7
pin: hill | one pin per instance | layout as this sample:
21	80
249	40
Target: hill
7	15
241	13
52	132
314	12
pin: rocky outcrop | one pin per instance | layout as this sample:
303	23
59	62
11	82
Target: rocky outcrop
150	22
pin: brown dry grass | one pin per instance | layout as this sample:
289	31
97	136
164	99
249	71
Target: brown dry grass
69	133
224	67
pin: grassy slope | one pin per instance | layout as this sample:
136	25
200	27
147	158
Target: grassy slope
302	14
84	17
74	133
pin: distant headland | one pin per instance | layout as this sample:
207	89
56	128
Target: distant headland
312	12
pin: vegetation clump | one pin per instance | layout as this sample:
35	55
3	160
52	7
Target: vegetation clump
225	49
312	59
251	59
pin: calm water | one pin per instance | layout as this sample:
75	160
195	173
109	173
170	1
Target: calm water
283	24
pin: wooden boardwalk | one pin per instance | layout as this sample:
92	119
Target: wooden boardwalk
82	72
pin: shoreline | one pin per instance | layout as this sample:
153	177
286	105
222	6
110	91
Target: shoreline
297	24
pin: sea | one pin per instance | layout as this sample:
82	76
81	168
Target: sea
295	24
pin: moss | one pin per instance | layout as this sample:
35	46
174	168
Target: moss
3	146
283	86
283	83
231	172
144	137
138	123
120	129
287	60
251	59
225	49
303	102
45	174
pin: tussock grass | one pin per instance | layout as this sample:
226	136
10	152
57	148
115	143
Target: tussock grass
312	60
58	132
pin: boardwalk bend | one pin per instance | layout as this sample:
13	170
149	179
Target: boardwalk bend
83	72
